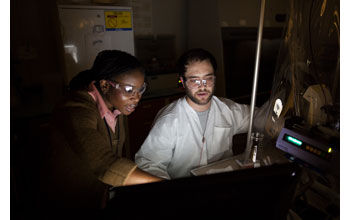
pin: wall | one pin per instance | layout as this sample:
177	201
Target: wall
239	22
170	17
205	19
36	79
246	12
204	31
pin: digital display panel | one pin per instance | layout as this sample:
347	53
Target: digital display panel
308	147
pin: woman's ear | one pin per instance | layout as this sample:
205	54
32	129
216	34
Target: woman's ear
104	85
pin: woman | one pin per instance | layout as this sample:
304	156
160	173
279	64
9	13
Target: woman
88	133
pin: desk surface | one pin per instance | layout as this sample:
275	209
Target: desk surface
273	154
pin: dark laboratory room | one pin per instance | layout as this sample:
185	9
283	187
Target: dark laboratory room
97	88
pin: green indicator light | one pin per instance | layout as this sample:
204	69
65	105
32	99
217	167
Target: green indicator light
294	140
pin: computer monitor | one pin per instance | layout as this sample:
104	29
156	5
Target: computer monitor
265	193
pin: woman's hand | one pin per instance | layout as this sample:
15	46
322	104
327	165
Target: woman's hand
139	176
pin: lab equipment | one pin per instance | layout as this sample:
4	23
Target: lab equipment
318	96
306	81
256	139
316	151
255	80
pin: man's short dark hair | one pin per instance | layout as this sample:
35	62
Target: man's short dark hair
193	55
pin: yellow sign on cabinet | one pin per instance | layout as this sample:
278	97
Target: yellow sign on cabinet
118	20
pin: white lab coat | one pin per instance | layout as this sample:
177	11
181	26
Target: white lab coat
174	144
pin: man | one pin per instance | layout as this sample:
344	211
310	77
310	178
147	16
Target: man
195	130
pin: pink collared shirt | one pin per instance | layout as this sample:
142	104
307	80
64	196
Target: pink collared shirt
111	117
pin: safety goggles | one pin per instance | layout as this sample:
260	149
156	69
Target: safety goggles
128	90
193	83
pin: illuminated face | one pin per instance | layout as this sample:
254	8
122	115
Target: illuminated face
124	91
199	83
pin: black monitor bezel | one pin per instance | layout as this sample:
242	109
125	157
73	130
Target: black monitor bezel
265	192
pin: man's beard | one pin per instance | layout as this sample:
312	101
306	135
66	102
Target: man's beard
197	101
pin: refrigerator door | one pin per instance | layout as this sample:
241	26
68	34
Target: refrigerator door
87	30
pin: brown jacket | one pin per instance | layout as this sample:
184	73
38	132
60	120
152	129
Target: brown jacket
82	162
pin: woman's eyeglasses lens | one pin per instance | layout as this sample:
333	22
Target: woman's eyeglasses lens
129	90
